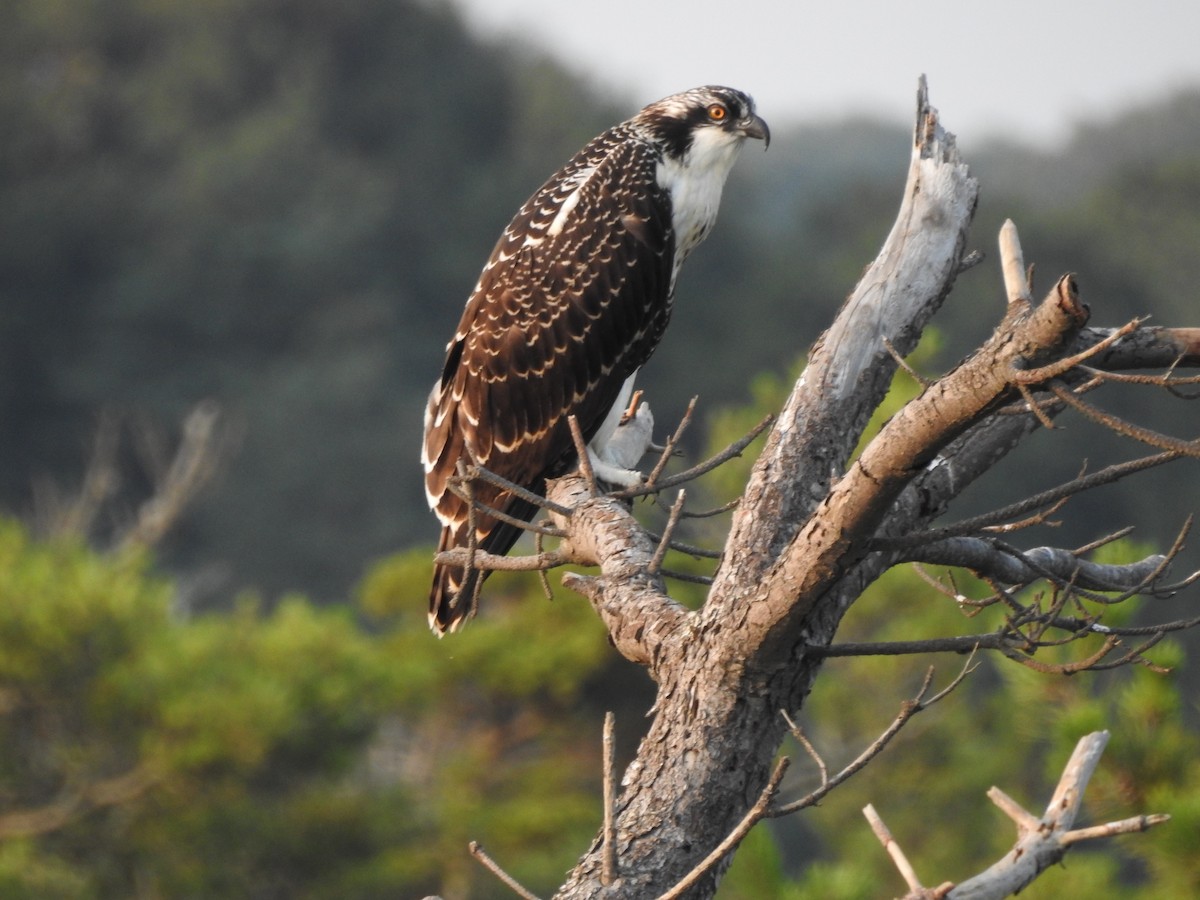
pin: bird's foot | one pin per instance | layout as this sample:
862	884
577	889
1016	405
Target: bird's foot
614	462
615	475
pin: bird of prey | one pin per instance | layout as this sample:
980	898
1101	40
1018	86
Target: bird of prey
571	303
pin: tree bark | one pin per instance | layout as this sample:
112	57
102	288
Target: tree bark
805	540
725	672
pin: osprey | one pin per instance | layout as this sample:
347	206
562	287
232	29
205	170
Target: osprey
571	303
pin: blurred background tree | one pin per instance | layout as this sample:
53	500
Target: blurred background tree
281	205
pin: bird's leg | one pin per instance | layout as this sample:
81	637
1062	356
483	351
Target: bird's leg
631	410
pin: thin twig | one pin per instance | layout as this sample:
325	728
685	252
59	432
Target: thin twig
690	549
543	579
100	480
516	490
903	364
689	577
609	871
807	745
1107	475
192	465
1124	427
672	520
1041	517
581	450
1025	821
1124	826
734	837
893	850
1166	380
468	486
668	449
1059	367
709	513
1034	406
491	865
733	450
456	487
907	710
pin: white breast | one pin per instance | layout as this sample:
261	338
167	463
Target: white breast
695	183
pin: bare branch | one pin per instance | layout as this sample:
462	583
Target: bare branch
1111	829
903	365
516	490
893	849
672	442
1033	406
1043	842
193	464
1107	475
1012	265
665	541
100	482
609	872
1062	366
907	710
460	487
731	452
1168	380
1025	821
490	562
1129	429
689	577
709	513
581	451
1150	347
636	611
988	556
492	866
1040	842
804	742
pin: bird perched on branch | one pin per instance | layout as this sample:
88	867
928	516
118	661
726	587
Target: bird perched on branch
571	303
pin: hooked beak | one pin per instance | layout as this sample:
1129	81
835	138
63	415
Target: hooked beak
754	127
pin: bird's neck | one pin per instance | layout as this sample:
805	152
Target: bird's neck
694	182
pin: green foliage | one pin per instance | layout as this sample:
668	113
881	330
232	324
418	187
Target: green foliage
509	758
289	753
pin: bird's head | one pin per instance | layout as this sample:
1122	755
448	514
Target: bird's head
703	121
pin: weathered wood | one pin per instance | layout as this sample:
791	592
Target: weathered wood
710	746
804	541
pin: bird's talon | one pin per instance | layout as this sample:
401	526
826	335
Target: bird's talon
631	410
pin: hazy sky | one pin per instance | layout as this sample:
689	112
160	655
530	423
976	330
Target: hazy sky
1028	68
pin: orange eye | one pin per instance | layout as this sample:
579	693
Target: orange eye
717	112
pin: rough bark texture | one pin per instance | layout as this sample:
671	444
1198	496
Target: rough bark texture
800	546
790	567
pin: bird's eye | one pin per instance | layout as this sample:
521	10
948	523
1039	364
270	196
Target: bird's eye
717	112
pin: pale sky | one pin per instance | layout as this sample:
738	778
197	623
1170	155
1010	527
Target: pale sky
1026	68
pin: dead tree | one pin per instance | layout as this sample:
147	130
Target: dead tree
816	525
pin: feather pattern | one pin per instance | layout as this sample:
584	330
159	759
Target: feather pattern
572	301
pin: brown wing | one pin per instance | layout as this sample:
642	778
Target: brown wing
571	303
